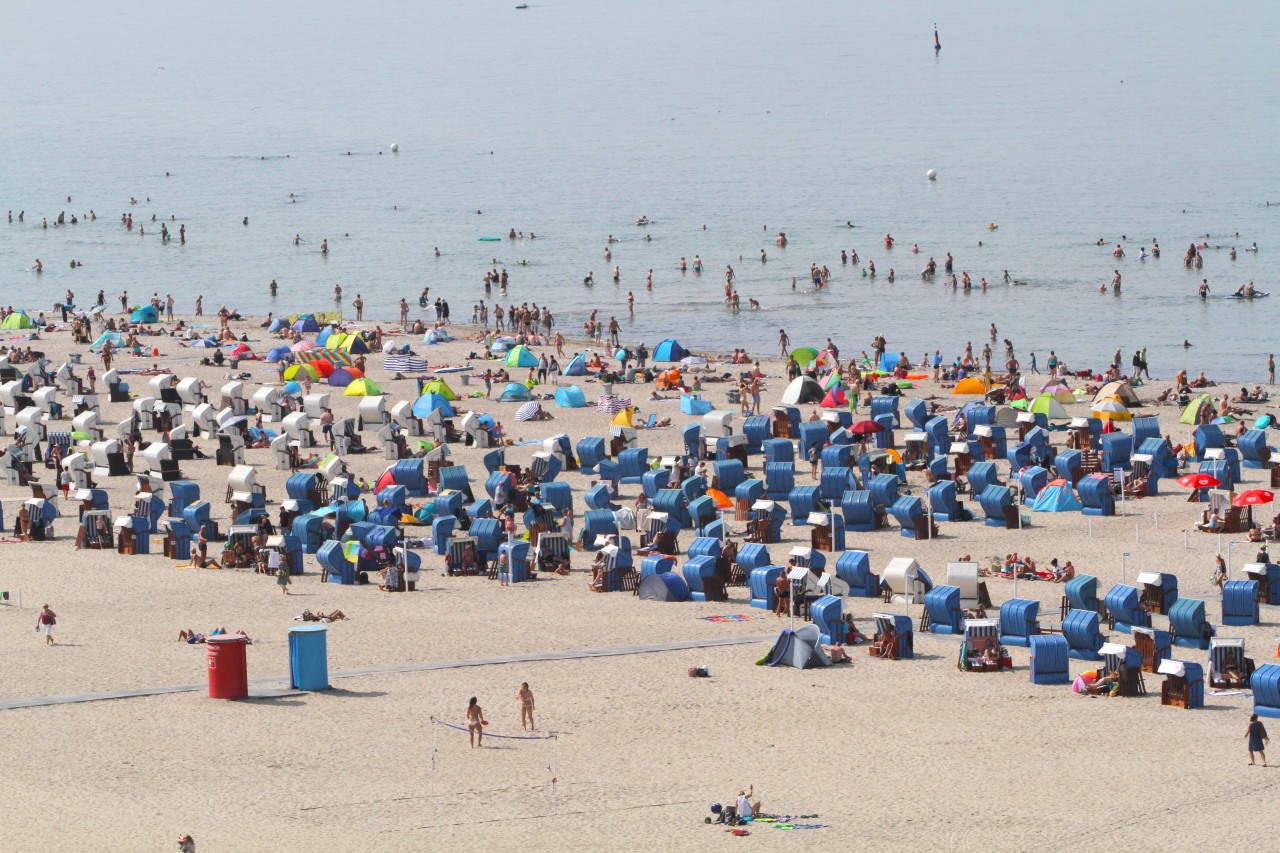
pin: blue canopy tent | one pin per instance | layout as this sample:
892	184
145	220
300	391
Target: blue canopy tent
570	397
429	402
669	350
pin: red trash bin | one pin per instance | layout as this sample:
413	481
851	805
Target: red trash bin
228	674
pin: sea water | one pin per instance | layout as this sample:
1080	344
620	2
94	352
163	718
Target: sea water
724	123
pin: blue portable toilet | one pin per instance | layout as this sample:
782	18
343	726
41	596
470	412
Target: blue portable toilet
1049	660
1018	621
308	657
943	606
1240	603
854	568
1082	632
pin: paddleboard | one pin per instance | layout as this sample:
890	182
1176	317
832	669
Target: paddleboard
1257	294
490	239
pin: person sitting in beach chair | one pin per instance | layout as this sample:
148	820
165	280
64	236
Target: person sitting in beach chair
1212	523
885	645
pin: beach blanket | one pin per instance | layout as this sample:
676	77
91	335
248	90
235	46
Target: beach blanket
734	617
1227	693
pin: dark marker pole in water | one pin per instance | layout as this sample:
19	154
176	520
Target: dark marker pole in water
937	45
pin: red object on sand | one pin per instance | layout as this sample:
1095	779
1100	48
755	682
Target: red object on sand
1198	481
1253	497
865	428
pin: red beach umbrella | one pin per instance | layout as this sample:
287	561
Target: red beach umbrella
865	428
1198	481
1253	497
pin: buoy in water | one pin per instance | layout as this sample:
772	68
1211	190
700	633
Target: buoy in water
395	148
932	174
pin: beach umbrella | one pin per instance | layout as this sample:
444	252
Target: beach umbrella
1253	497
721	499
694	361
866	428
620	355
303	346
528	411
1112	410
362	388
803	355
1198	481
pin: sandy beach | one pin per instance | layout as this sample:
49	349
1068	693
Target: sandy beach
904	753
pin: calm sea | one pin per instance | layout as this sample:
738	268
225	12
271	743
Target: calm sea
1061	123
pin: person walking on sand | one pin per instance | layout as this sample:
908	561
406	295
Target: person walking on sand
47	619
526	708
282	575
1256	734
475	722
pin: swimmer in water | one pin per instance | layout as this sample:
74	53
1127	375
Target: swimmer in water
297	239
1204	288
437	251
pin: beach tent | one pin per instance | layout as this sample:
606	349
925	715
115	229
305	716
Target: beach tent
439	386
1007	416
306	323
429	402
1191	414
300	372
325	333
835	398
276	325
570	397
624	416
1056	497
577	366
799	648
1123	390
353	344
322	366
969	385
669	350
277	354
803	389
1049	407
663	586
244	352
18	320
342	377
362	388
521	357
514	393
141	314
113	338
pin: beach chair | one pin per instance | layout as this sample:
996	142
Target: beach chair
1240	603
552	553
1018	621
1050	659
1153	646
1188	624
1183	685
1265	684
1157	591
903	646
1081	629
942	612
854	568
1228	666
981	650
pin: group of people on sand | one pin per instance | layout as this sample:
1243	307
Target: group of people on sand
1025	568
476	721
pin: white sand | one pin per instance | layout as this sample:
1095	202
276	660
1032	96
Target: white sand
912	754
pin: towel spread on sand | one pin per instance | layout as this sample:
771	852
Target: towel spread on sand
734	617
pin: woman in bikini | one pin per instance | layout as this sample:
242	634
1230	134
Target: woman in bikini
475	722
526	705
